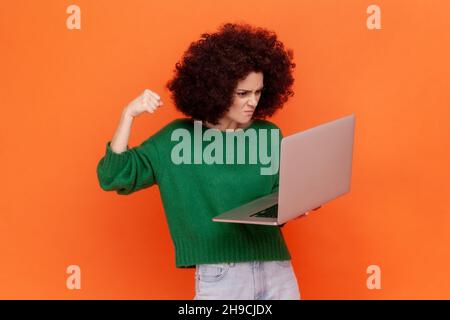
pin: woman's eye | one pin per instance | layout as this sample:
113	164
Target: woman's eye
245	93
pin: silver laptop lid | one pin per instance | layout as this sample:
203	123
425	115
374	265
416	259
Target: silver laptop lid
315	167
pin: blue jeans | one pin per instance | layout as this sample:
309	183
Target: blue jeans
257	280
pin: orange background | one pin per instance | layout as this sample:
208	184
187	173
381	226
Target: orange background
62	92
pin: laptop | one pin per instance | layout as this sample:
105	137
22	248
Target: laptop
315	168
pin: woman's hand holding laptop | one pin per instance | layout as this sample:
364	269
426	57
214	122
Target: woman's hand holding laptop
306	213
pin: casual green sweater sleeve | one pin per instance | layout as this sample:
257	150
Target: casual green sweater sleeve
129	171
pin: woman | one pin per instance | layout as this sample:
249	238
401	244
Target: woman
227	81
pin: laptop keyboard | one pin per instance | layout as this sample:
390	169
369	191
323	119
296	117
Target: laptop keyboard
271	212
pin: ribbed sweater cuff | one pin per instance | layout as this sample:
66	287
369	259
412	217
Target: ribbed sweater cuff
113	161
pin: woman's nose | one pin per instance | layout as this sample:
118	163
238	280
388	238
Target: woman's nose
253	101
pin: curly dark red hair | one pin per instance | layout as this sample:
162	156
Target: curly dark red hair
208	73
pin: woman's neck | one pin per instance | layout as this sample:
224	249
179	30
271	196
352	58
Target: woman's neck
225	124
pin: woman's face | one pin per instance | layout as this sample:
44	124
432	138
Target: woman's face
246	98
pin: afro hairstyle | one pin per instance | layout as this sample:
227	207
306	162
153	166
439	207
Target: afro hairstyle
207	75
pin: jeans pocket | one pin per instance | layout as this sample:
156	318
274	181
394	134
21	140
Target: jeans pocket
212	272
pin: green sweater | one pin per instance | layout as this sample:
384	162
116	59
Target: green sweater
192	194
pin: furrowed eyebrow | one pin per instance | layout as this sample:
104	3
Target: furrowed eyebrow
244	90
